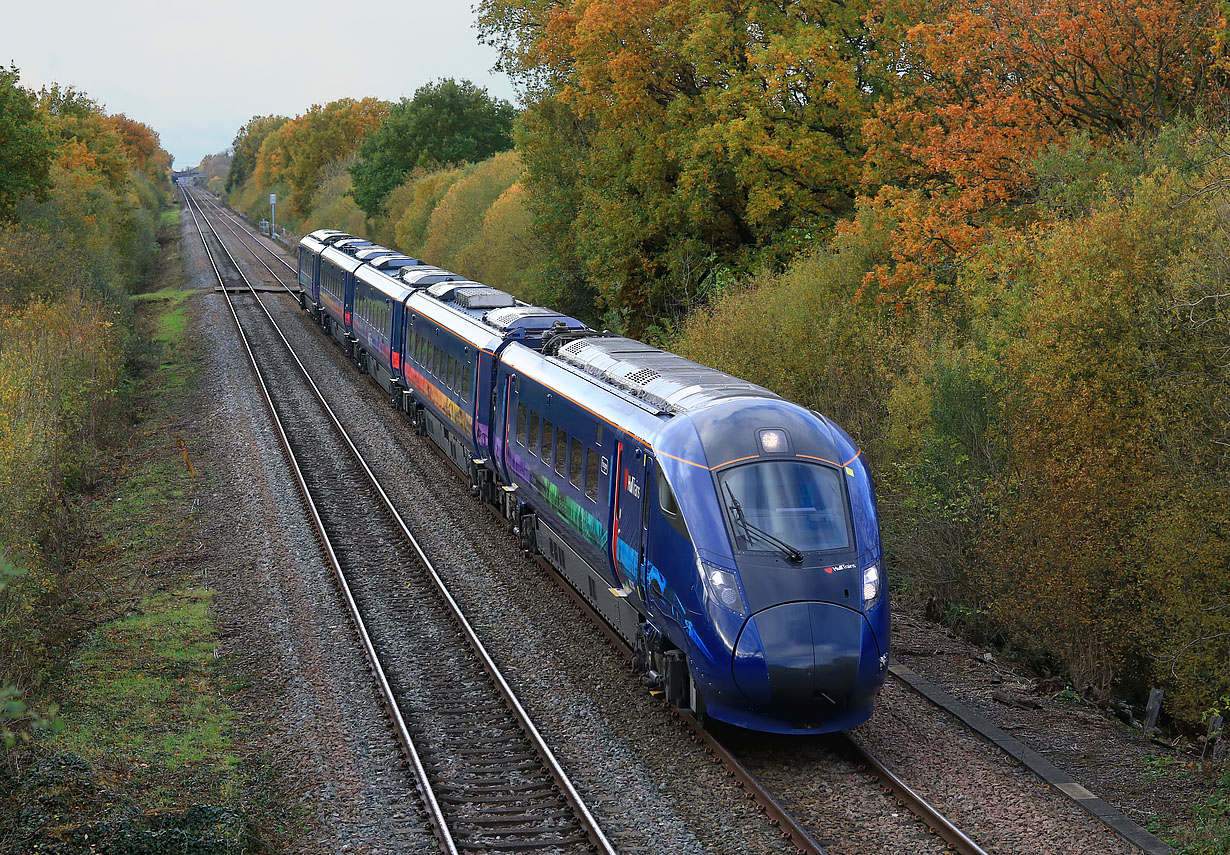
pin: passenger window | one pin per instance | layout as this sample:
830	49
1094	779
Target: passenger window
547	439
561	451
591	474
533	444
574	463
521	424
465	382
598	439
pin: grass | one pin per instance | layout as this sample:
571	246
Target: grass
1208	833
141	696
170	217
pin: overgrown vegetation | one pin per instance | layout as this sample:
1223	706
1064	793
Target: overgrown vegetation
111	721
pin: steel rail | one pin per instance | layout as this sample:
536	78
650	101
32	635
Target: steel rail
229	216
935	821
242	240
430	803
552	764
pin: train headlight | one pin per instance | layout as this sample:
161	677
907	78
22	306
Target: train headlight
722	586
873	585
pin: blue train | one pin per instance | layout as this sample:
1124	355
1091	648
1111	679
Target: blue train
729	536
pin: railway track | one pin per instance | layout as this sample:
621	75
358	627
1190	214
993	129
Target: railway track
488	780
778	813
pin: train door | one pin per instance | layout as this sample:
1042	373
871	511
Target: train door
628	544
669	553
506	394
348	288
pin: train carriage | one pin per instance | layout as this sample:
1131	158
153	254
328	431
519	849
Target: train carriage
448	366
310	249
336	298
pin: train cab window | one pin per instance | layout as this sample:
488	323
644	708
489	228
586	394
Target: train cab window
666	496
465	382
591	474
561	452
521	424
548	437
574	463
533	443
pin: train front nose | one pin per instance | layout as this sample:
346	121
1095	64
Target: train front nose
808	660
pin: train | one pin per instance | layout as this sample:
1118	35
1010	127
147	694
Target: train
728	535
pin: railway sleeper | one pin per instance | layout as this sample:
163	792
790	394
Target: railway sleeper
514	846
532	831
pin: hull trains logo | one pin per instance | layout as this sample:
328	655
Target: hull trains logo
837	568
632	485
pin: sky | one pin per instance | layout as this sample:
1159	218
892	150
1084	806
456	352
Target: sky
197	72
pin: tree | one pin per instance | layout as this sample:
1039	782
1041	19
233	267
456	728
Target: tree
716	134
446	123
982	90
247	146
26	144
299	151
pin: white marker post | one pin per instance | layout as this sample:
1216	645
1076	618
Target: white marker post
273	206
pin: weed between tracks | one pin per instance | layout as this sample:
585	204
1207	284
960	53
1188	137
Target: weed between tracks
145	761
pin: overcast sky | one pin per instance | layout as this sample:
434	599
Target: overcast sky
196	72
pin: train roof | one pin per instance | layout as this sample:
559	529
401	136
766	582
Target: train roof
340	259
373	251
662	379
326	236
609	403
419	276
382	282
351	245
392	261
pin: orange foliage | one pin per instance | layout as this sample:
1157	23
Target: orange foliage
141	144
985	90
298	151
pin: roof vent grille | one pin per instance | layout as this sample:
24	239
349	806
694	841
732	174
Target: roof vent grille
643	376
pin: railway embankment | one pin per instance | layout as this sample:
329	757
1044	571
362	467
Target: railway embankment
144	752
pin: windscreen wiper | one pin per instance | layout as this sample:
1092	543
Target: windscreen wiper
749	529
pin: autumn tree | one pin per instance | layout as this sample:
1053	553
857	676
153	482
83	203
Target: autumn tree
301	149
712	134
445	124
981	91
26	145
142	146
247	145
